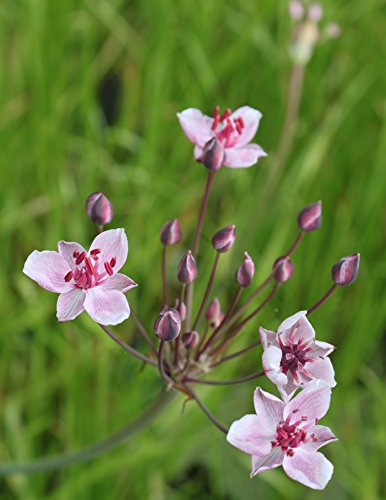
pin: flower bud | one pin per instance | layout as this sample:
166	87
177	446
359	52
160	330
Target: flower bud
187	269
315	12
181	310
167	326
99	209
245	272
223	240
213	154
171	233
296	10
345	271
190	339
213	313
283	269
310	218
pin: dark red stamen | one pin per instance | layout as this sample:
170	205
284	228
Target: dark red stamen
113	261
80	258
96	251
68	276
225	115
109	269
89	266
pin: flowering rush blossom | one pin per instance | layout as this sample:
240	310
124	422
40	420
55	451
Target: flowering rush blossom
234	131
288	434
86	280
292	357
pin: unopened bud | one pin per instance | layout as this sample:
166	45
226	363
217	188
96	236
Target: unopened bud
213	313
171	233
283	269
213	154
181	309
245	272
190	339
187	269
315	12
345	271
223	240
310	218
296	10
167	326
99	209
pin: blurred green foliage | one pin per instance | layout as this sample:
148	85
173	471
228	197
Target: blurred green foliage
64	386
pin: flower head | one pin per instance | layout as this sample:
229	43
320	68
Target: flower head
99	209
292	357
234	131
288	434
87	281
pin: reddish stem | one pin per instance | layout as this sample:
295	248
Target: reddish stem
323	299
207	291
165	294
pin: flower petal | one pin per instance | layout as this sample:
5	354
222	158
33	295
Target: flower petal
198	153
322	349
107	307
67	249
70	304
271	364
251	118
244	156
309	468
313	401
269	409
119	282
301	329
287	323
322	369
288	390
113	244
323	436
268	338
196	125
48	269
270	461
249	435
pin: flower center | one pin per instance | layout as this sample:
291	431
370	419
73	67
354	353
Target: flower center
290	436
85	273
227	129
294	354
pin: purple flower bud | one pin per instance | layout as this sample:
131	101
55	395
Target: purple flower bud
181	310
171	233
283	269
213	313
223	240
245	272
167	326
213	154
315	12
187	269
345	271
310	218
99	209
190	339
296	10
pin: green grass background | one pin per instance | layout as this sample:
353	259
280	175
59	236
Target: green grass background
64	386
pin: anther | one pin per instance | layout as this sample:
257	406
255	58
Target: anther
109	269
68	276
80	258
113	261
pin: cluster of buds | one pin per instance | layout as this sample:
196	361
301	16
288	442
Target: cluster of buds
186	346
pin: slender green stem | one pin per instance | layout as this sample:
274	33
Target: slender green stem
126	347
207	291
89	452
253	376
236	354
143	332
211	417
329	292
165	293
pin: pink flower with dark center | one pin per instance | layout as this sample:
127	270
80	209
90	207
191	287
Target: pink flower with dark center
288	434
234	131
292	357
86	280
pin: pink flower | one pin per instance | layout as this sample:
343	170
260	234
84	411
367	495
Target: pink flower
292	357
288	434
86	280
233	130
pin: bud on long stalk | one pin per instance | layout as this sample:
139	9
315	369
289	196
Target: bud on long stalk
171	233
310	218
345	271
283	269
167	326
245	272
99	209
223	240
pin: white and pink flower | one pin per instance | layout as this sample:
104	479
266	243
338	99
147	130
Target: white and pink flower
87	281
234	131
292	357
288	434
